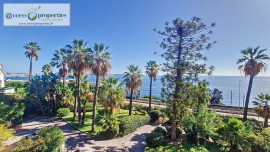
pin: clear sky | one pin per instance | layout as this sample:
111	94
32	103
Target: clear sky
127	27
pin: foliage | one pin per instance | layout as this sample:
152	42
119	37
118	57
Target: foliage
216	96
53	137
185	147
131	123
261	140
257	126
235	133
47	139
154	114
112	94
16	84
79	62
183	42
12	114
154	139
263	109
202	123
107	121
160	130
140	107
133	80
169	131
62	112
5	135
252	62
111	132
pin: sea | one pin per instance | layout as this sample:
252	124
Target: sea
234	88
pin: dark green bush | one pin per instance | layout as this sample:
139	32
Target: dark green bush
169	131
154	140
111	132
154	114
125	106
12	115
131	123
257	125
62	112
160	130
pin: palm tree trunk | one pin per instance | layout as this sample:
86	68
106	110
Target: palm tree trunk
150	94
265	122
75	109
84	111
64	81
247	98
94	104
79	101
130	102
30	72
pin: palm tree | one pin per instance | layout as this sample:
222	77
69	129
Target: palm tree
32	48
47	69
100	68
263	109
112	94
252	63
151	71
60	60
133	80
80	60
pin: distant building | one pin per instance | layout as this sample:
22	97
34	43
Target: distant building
2	76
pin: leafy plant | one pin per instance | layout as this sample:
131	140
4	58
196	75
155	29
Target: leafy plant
5	135
235	134
155	114
154	139
62	112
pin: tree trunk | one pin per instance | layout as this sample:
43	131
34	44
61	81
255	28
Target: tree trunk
94	104
173	133
84	111
150	94
177	86
64	81
79	101
75	109
266	122
130	102
247	98
30	72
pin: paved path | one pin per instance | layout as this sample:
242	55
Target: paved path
76	139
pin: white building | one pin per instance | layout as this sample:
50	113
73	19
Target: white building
2	76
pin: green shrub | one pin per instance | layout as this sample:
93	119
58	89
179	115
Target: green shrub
62	112
154	114
131	123
202	122
169	131
125	106
154	140
257	125
53	137
235	133
48	139
160	130
111	132
12	115
261	141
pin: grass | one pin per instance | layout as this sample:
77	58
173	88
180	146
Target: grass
87	127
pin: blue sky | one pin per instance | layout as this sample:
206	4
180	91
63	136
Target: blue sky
127	27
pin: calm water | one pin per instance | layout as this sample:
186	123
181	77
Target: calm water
224	83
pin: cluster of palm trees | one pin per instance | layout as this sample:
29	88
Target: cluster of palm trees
78	59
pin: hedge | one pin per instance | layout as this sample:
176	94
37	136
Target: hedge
131	123
154	114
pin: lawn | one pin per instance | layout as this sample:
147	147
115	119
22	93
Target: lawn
87	127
